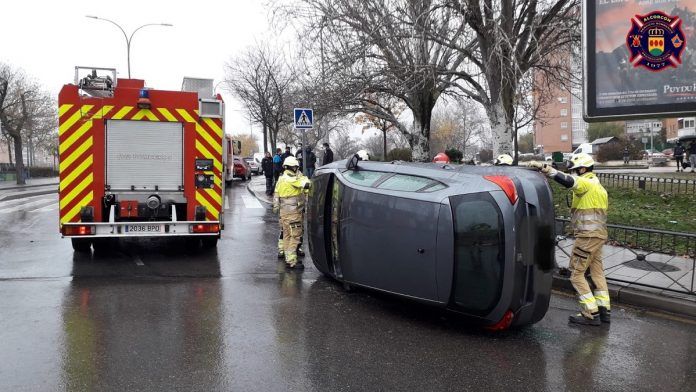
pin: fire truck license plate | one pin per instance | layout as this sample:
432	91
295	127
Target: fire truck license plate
143	229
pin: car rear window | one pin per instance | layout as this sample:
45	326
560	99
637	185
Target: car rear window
407	183
479	252
362	177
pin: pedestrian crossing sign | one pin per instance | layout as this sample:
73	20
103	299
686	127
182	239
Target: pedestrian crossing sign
304	118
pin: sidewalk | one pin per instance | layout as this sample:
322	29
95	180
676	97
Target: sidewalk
639	278
631	267
9	190
31	183
257	187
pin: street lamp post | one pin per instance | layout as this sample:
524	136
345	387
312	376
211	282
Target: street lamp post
129	39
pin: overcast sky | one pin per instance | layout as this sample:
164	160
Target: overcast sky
49	38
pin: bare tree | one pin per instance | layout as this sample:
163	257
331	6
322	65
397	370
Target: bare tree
512	39
457	125
372	46
392	105
343	145
23	105
261	79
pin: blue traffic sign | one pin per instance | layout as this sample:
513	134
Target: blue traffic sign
304	118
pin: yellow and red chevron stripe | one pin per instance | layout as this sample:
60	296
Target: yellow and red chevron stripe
76	151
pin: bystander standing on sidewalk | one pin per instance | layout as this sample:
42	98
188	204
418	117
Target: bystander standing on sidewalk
626	155
692	154
311	162
267	166
277	165
679	156
328	155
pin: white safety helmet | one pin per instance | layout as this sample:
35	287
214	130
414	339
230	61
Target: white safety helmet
503	160
363	155
582	159
291	162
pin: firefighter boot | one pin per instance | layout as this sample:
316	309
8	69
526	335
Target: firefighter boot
584	320
605	314
300	252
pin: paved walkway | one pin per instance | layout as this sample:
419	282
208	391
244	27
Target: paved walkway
624	267
9	190
257	186
32	182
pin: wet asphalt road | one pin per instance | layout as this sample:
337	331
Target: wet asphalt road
152	315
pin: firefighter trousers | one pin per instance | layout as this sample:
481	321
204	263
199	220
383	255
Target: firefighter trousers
292	225
587	254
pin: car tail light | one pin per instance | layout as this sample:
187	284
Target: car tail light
79	230
205	228
504	322
506	184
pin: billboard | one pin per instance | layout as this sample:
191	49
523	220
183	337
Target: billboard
639	59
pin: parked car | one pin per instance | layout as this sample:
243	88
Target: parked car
655	158
255	166
474	240
241	169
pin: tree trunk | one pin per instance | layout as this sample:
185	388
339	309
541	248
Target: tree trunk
501	128
384	145
9	149
265	138
19	160
422	114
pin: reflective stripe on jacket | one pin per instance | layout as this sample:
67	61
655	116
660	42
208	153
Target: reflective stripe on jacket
589	207
289	195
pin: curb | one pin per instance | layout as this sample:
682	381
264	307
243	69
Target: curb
27	186
28	194
638	298
259	198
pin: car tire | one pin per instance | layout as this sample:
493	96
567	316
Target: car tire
81	245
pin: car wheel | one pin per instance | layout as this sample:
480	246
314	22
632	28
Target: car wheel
81	245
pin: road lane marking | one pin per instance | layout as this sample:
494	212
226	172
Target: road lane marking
251	202
138	261
50	207
24	206
14	202
227	202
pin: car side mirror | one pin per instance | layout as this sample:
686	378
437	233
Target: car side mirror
352	163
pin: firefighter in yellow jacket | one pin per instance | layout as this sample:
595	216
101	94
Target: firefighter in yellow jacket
589	223
288	200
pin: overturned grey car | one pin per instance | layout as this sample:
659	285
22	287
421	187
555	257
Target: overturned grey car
475	240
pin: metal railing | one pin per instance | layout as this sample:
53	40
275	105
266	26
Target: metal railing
667	258
658	184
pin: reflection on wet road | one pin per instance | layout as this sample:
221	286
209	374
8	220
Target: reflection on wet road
153	315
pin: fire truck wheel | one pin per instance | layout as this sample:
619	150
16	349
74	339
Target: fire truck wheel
209	242
81	245
101	244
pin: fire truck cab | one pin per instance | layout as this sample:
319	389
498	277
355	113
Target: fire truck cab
139	162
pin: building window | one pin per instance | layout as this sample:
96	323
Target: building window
564	112
564	138
564	125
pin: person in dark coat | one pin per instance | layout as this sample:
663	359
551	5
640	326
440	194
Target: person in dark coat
679	156
328	154
311	162
692	154
267	166
298	155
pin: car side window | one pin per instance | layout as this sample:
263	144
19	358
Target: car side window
406	183
362	177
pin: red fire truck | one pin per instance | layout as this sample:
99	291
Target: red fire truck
139	162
